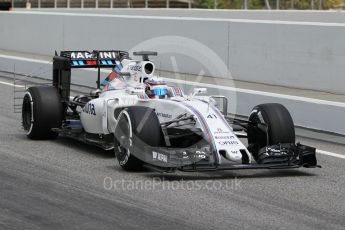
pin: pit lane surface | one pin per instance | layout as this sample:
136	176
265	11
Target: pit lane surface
62	184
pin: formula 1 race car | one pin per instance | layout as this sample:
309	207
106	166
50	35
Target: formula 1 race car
150	124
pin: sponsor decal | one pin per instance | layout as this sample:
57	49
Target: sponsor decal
159	157
197	155
224	137
220	131
164	115
88	55
90	109
212	116
200	155
228	142
135	68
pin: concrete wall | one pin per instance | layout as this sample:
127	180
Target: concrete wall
294	54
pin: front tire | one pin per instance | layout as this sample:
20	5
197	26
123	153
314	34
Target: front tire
270	124
137	126
41	111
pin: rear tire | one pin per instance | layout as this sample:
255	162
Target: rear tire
271	124
41	111
137	126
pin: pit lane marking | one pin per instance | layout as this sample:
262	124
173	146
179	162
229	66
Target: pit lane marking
319	151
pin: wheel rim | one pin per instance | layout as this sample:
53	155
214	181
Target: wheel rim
124	142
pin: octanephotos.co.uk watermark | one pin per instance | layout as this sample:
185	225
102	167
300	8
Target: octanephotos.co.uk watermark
159	183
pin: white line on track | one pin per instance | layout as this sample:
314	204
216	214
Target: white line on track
330	154
11	84
262	93
25	59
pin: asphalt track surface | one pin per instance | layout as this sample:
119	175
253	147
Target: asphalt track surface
62	184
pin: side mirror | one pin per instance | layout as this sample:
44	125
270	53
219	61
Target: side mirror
198	91
224	103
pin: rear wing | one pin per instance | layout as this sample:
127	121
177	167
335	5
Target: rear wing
94	59
67	60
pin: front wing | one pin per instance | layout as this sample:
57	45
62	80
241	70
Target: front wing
201	159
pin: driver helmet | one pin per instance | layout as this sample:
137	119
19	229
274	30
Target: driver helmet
156	88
